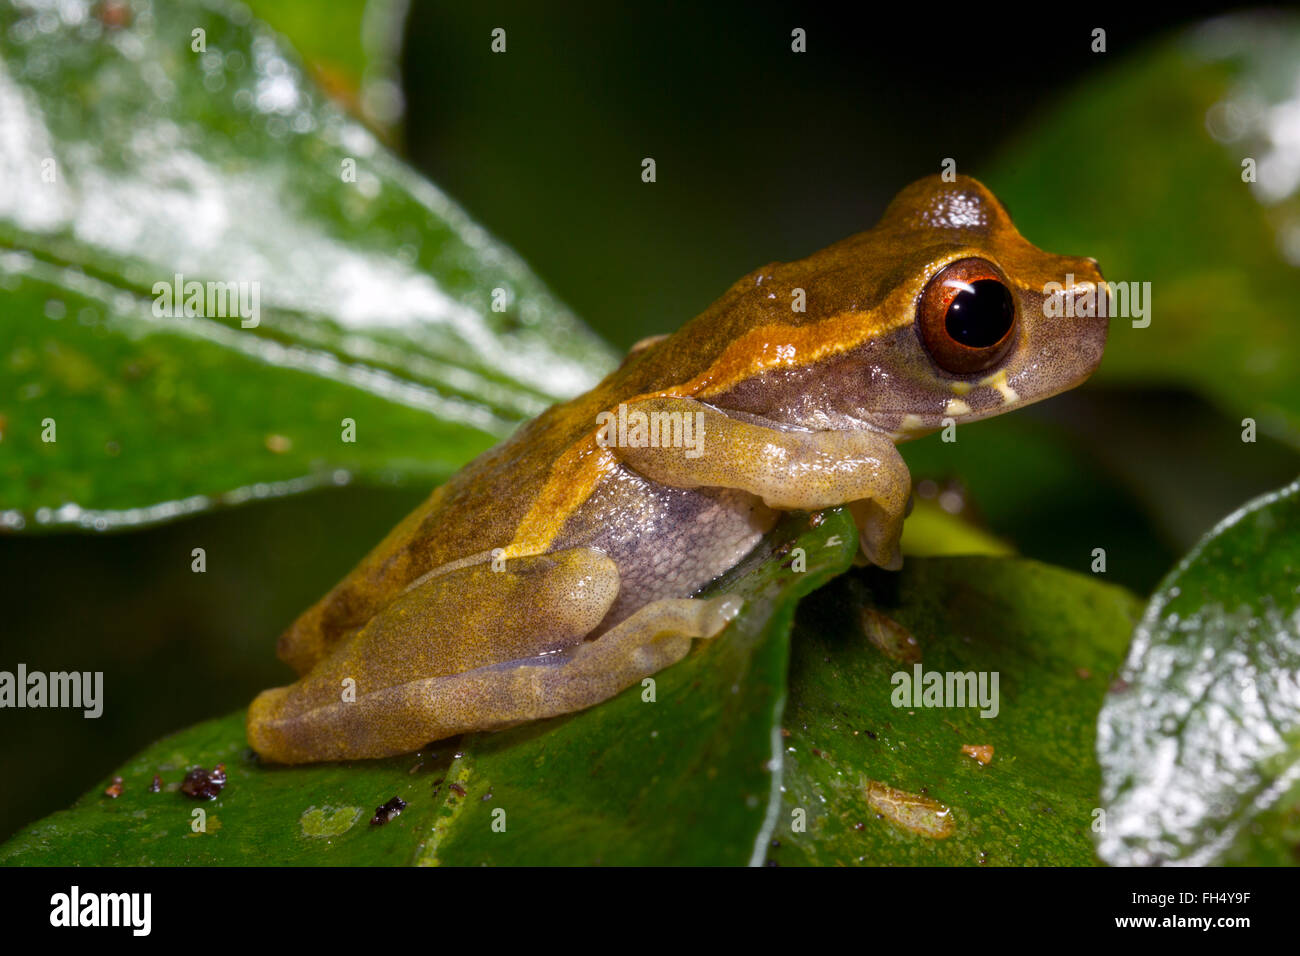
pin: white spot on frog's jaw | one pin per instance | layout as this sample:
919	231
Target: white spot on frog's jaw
998	381
911	424
956	407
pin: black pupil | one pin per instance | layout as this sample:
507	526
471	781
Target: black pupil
980	316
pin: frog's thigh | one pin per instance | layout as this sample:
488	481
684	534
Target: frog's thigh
501	695
789	470
355	702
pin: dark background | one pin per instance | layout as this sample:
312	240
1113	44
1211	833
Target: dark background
762	155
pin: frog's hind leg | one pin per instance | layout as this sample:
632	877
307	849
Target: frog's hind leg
403	717
477	649
356	700
502	695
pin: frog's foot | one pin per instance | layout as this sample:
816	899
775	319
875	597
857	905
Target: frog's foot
789	470
355	702
879	532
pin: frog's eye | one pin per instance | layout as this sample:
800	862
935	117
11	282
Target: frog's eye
967	317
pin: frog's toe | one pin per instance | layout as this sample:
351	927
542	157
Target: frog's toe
880	531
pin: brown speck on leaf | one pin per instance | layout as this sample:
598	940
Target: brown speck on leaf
156	785
204	784
859	825
981	752
815	519
785	733
278	444
389	811
416	768
114	789
1082	673
818	753
457	788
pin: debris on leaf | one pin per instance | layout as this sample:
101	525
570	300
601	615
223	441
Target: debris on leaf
388	812
889	637
204	784
911	811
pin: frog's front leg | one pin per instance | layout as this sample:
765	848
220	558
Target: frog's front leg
789	470
475	649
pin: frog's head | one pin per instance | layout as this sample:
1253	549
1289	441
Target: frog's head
985	321
942	311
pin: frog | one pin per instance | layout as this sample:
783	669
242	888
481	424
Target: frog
566	564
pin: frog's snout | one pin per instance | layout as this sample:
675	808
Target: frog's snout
1091	309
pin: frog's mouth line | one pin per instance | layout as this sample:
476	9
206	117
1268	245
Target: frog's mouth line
981	402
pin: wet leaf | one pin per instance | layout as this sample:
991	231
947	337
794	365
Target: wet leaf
128	158
1200	744
870	782
688	778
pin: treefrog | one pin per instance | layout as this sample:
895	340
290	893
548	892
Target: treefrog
559	568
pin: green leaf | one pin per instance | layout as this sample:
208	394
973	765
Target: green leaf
1200	746
870	782
128	158
1148	160
688	778
931	530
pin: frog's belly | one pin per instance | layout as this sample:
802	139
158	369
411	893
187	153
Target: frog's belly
667	542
